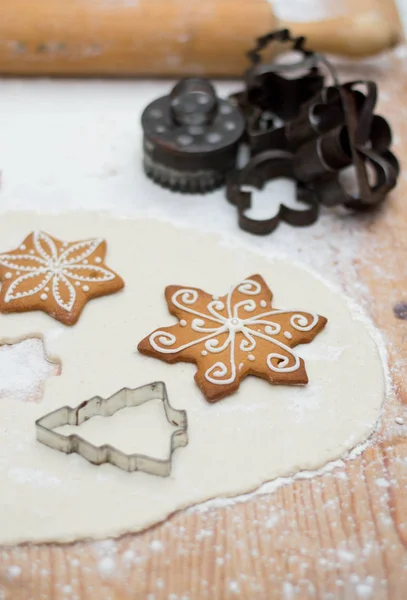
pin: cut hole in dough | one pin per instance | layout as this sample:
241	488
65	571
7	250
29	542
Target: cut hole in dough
24	368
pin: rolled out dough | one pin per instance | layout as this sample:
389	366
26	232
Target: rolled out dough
251	437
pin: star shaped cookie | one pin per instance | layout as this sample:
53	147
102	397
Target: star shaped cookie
233	336
56	277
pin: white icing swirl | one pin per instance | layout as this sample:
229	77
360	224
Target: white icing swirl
283	362
303	322
223	319
46	263
249	287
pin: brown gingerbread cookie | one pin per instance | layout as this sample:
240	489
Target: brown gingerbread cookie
233	336
56	277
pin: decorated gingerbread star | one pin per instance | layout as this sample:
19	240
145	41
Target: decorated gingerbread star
56	277
233	336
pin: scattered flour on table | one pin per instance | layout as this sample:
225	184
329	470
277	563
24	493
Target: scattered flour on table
13	571
105	552
346	556
364	590
106	566
234	587
289	590
67	589
156	546
381	482
129	556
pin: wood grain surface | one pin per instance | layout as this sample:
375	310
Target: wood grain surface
125	37
338	535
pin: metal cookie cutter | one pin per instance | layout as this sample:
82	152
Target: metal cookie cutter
275	91
106	407
362	138
262	168
266	84
191	137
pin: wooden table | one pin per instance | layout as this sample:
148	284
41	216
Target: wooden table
341	534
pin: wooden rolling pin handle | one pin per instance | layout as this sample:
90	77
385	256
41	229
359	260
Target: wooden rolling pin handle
356	36
161	37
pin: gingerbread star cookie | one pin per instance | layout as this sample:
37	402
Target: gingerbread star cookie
233	336
56	277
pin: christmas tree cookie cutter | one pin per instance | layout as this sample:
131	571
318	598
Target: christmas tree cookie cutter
106	407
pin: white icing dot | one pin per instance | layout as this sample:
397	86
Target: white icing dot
98	259
251	357
77	283
65	244
43	296
46	289
9	275
183	323
204	353
32	252
263	303
399	420
23	247
85	288
85	262
288	335
18	272
240	366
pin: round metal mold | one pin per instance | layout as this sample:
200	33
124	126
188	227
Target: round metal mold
191	137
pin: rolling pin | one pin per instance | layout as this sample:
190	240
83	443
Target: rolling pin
166	37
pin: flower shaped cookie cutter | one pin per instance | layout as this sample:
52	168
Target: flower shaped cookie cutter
106	407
